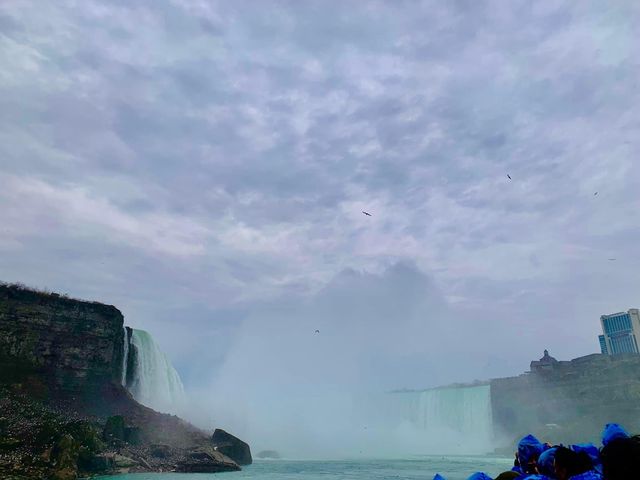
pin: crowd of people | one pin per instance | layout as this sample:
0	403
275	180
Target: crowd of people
617	459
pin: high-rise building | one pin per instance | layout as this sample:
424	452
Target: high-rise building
620	332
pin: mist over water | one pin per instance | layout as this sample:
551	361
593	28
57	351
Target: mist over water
307	394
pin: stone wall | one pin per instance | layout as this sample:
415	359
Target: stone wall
570	401
62	342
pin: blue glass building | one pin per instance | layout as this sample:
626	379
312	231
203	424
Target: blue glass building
620	331
603	344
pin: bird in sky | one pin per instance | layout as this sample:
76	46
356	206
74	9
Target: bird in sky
317	331
508	176
595	194
612	259
367	214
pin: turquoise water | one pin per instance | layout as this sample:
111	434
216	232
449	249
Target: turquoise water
453	468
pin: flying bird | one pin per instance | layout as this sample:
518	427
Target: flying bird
367	214
612	259
317	331
508	176
595	194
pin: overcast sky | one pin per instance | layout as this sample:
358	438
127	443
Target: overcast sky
203	166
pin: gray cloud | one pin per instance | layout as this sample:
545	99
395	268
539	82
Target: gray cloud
193	162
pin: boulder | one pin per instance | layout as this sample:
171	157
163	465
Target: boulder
271	454
120	461
160	451
232	447
206	460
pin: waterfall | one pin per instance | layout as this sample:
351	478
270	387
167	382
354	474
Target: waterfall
125	357
466	410
153	380
440	420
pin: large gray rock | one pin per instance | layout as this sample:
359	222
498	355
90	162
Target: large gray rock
122	461
160	451
206	460
232	447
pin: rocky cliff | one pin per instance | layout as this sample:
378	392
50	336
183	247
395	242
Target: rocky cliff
63	410
569	401
68	344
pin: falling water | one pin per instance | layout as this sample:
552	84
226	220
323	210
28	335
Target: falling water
125	356
466	410
441	420
154	382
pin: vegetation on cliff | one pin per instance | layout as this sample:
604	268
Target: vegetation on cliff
39	441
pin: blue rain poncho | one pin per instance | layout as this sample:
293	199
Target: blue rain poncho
438	477
479	476
611	432
529	447
536	476
545	462
591	450
590	475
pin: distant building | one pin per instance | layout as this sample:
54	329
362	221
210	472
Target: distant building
620	332
547	362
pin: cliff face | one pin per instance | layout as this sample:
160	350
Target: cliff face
69	344
570	401
61	397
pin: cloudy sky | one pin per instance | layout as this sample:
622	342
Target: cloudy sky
203	166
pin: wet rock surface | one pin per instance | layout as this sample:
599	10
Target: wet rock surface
74	344
206	460
232	447
42	441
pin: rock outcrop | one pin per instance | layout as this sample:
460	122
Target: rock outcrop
74	345
268	454
232	447
206	459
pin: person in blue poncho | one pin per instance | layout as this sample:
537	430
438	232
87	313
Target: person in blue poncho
571	465
508	475
545	463
621	458
438	477
529	449
611	432
592	451
479	476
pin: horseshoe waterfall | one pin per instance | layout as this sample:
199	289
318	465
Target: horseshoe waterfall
440	420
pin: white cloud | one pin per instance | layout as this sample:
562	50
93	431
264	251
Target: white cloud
80	213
